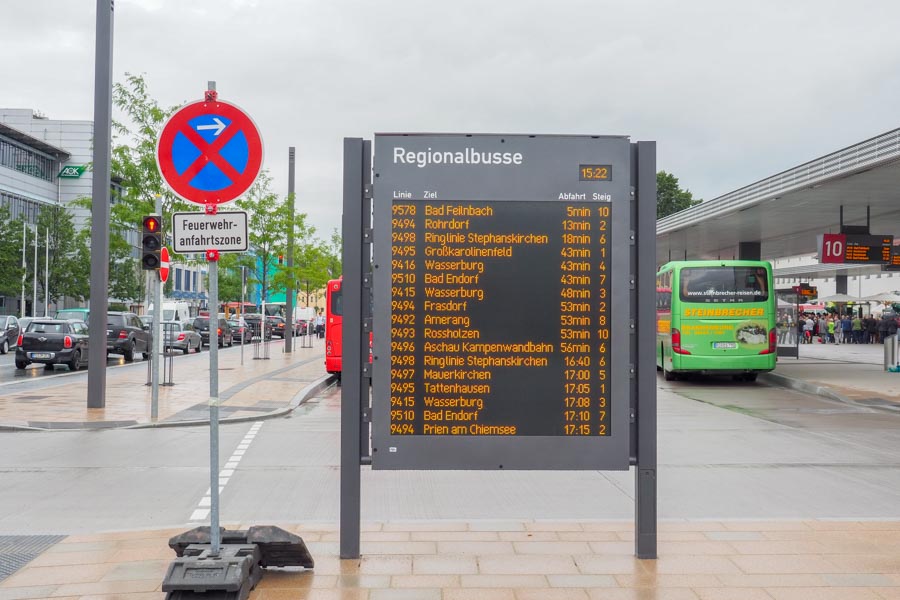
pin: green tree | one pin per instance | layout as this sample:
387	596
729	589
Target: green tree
133	164
69	266
268	222
10	254
670	198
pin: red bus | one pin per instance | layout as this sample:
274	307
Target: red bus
334	319
334	327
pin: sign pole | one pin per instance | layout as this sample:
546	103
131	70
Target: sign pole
291	296
156	326
96	397
214	406
215	538
241	312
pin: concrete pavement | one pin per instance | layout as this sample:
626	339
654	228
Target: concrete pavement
261	387
480	559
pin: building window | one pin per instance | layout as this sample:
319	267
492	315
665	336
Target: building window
187	280
25	160
20	207
178	279
195	280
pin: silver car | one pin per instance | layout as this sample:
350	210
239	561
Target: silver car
180	335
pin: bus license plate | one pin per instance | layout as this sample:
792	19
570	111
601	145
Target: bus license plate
725	345
41	355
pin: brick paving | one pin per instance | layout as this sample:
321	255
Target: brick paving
514	560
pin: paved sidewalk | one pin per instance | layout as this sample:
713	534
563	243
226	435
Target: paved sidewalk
513	560
852	372
258	388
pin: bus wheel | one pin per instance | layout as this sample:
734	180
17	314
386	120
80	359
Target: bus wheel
750	377
669	375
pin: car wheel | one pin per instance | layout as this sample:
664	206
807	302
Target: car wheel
187	348
199	347
146	355
129	354
21	364
48	367
4	348
75	363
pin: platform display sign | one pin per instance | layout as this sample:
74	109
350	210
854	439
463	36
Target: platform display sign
855	248
501	324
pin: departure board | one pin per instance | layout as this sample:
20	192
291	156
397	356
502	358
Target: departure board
502	292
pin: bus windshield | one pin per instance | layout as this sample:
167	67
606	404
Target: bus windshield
724	284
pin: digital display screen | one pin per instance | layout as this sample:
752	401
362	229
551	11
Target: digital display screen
594	172
500	318
868	248
501	302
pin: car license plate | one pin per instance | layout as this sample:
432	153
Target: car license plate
41	355
725	345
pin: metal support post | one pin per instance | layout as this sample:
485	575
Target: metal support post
352	348
157	332
366	371
241	315
100	205
645	337
289	317
215	534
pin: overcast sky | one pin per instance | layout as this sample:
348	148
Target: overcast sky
732	92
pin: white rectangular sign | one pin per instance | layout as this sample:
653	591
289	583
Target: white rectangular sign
199	232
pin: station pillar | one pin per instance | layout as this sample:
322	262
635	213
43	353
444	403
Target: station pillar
749	251
840	283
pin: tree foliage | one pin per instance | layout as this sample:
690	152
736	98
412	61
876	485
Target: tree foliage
670	198
134	166
69	272
10	254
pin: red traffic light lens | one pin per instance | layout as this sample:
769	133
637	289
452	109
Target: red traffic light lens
151	224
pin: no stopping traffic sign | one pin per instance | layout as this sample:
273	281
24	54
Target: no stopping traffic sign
209	152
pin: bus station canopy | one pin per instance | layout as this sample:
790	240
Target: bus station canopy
787	211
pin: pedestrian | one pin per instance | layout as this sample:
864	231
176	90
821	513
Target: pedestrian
872	330
856	327
808	326
846	326
830	329
882	328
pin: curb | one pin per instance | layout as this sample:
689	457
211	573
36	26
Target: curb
299	398
804	386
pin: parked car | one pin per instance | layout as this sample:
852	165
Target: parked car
53	342
278	325
126	334
79	314
9	332
180	335
201	325
240	332
254	322
24	322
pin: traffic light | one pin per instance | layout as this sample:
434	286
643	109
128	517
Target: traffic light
151	242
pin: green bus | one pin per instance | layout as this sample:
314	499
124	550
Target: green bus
715	317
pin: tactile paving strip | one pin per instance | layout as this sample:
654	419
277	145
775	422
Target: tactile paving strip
16	551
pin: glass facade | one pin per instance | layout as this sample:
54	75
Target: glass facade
20	207
26	161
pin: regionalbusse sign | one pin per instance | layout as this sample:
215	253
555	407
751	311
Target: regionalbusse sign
198	232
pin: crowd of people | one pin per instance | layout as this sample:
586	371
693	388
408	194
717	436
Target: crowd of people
836	329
